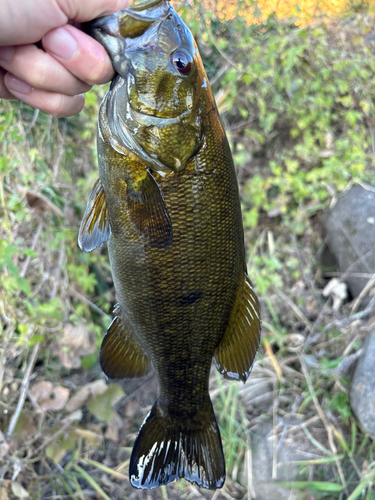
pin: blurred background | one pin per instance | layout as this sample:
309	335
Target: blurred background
295	87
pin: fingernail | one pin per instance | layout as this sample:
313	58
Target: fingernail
16	85
6	53
61	43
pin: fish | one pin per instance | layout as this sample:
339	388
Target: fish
167	205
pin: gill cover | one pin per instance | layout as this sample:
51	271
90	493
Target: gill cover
152	109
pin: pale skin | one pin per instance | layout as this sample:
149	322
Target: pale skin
54	79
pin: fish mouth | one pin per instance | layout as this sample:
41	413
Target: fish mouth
128	23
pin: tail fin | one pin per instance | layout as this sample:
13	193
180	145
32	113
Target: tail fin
167	449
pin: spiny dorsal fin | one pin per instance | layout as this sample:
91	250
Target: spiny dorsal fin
234	357
148	211
95	228
120	354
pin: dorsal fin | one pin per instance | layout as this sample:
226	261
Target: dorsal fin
95	228
234	357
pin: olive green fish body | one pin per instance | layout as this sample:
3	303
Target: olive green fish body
167	202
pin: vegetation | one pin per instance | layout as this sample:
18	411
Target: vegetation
298	104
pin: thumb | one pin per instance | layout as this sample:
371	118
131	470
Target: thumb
27	21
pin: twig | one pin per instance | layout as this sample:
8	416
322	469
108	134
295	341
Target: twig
367	311
33	121
274	440
33	245
82	298
297	311
363	293
56	282
10	330
249	463
60	152
50	439
24	389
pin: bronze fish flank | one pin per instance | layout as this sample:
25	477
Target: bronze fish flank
167	202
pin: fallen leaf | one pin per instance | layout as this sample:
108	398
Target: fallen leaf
59	446
25	428
4	447
19	491
3	494
113	428
76	341
40	202
101	405
58	399
132	408
49	397
84	393
41	391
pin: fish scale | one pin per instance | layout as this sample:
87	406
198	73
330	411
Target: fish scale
167	202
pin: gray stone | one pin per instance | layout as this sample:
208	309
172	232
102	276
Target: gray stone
350	235
362	390
289	452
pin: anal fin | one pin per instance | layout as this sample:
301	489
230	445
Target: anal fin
95	228
120	354
234	356
148	211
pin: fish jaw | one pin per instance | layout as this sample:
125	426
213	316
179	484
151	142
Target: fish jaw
153	109
112	31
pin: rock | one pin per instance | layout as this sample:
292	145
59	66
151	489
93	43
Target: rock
350	235
362	395
290	451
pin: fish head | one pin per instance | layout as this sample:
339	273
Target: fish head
155	102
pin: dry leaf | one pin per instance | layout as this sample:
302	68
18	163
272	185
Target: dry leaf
82	396
49	397
76	341
41	391
113	427
101	405
61	444
3	494
4	447
132	408
40	202
19	491
58	399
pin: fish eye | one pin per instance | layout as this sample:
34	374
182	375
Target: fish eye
182	61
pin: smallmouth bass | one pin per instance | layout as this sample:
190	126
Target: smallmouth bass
167	203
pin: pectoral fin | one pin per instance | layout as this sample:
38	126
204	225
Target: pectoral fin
148	211
120	354
234	357
95	228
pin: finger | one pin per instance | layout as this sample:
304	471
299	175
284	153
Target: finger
85	10
27	21
56	104
83	56
4	92
40	70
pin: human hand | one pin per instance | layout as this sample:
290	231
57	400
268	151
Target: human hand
52	80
